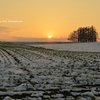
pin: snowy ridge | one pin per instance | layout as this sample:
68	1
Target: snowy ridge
87	47
43	74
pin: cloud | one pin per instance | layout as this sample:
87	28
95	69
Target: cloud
22	39
14	34
5	33
4	29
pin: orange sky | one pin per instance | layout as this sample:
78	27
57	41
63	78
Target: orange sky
41	18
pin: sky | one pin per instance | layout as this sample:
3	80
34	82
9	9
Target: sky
35	20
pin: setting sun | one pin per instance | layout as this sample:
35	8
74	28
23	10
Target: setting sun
49	36
46	20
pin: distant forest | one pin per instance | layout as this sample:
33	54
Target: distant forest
84	34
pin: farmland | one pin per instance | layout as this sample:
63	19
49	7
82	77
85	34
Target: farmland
37	73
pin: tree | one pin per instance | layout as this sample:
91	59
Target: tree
84	34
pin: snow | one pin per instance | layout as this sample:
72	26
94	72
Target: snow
35	73
84	47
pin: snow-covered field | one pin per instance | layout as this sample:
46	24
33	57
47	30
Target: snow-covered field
87	47
30	73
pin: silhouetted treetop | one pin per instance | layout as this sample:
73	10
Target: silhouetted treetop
84	34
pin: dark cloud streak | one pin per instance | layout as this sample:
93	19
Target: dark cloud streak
4	29
22	39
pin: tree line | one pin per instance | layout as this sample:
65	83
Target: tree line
84	34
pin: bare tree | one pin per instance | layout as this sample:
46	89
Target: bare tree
84	34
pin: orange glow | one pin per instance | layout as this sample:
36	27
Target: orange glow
46	19
49	36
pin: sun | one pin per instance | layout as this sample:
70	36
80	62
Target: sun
50	36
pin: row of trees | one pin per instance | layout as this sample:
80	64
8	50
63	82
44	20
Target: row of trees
84	34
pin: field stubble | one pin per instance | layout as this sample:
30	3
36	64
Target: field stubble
32	73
